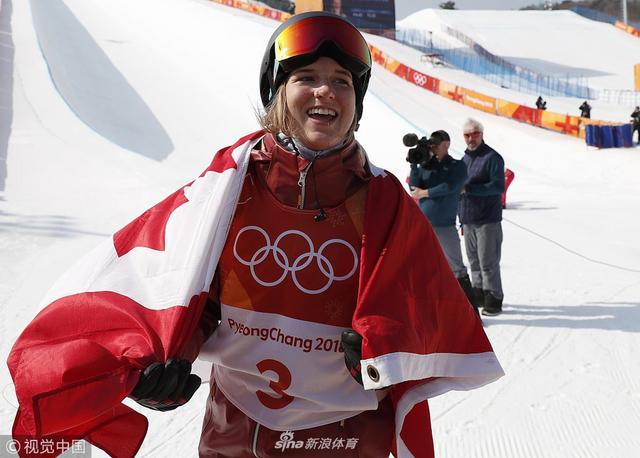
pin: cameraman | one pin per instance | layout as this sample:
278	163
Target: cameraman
437	183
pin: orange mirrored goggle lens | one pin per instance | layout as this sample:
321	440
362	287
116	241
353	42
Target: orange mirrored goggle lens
305	37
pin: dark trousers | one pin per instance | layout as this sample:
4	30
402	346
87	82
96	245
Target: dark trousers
483	243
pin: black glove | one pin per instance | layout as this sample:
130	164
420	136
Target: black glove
166	386
352	347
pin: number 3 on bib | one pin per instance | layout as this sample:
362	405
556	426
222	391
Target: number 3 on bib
278	386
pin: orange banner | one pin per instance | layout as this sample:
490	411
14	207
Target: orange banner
636	73
479	101
506	108
255	8
388	62
450	91
303	6
628	28
560	123
377	55
520	112
395	66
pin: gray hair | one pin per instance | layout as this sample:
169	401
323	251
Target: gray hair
471	125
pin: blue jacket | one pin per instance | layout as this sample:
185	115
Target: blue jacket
481	202
444	180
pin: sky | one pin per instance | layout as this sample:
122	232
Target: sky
75	173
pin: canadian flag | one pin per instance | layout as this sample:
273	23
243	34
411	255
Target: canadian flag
138	297
421	337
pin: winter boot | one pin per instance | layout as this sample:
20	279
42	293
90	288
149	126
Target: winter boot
478	295
492	305
465	283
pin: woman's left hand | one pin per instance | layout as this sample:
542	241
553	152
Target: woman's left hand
352	346
166	386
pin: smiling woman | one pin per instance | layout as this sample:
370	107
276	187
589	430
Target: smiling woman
326	65
321	100
305	275
308	168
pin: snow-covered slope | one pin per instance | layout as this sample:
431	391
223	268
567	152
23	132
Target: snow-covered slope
571	260
555	43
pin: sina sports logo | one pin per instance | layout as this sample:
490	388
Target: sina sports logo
286	441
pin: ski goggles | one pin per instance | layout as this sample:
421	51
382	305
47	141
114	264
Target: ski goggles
305	37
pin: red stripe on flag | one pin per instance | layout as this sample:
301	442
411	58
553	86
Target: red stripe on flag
419	440
81	356
148	229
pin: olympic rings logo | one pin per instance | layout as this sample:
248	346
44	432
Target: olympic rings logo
300	263
419	78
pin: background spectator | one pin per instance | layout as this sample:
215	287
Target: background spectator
437	184
481	215
585	110
635	121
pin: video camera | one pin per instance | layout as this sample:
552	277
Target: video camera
422	148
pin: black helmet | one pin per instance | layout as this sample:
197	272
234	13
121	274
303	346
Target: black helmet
302	39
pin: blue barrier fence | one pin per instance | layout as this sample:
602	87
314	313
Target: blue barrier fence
609	136
479	61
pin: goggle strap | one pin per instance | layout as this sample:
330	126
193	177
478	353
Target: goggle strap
276	67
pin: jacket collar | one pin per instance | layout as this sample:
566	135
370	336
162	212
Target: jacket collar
331	179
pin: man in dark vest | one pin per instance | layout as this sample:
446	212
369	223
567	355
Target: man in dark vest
480	213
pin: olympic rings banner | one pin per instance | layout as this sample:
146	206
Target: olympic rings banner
425	81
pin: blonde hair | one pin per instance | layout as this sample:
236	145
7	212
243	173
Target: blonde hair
276	117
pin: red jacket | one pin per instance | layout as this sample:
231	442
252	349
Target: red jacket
147	286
